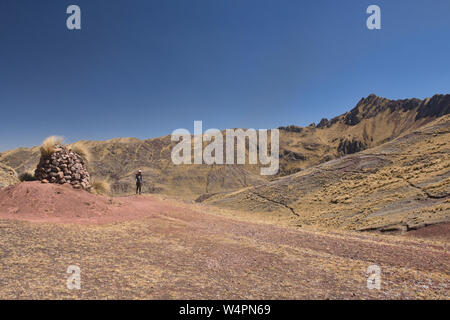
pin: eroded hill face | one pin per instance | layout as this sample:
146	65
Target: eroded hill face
400	185
372	122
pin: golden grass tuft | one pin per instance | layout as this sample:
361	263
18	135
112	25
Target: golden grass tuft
101	186
27	176
48	146
81	150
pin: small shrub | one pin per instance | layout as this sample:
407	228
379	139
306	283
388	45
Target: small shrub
101	186
49	145
27	176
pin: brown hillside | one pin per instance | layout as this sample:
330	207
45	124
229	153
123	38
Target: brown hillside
373	121
7	176
398	186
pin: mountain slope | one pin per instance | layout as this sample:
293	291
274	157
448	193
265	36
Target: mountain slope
373	121
7	176
401	185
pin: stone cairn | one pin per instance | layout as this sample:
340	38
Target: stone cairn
63	166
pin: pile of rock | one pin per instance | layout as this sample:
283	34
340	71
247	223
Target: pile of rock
63	166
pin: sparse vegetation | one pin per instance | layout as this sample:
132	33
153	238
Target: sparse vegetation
101	186
48	146
27	176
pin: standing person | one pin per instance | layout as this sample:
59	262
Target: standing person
139	182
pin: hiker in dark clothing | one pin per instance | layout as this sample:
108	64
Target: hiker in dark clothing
139	182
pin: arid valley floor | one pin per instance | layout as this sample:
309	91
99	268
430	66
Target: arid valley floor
176	250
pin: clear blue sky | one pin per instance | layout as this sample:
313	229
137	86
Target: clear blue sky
144	68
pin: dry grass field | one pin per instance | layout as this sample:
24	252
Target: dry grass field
192	251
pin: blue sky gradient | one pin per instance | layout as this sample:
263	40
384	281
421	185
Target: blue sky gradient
145	68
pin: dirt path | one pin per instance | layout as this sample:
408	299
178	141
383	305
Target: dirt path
149	248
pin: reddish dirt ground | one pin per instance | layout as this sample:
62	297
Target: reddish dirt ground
149	248
435	232
38	202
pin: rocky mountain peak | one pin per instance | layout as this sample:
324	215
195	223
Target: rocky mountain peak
436	106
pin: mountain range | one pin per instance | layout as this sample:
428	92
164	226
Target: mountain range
383	165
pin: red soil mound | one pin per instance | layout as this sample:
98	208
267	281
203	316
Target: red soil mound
34	201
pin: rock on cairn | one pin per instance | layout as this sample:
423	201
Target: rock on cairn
63	166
